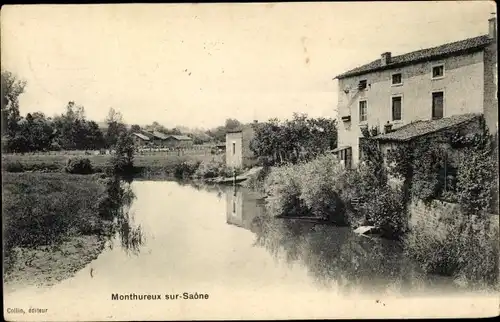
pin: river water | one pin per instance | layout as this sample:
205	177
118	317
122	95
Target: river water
218	241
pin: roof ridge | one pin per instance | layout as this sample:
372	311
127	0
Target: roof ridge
445	44
424	127
419	54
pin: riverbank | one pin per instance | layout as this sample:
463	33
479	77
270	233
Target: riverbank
443	242
48	265
53	225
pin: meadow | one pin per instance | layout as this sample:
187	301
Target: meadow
145	162
47	210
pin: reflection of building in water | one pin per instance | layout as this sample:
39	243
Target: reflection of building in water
242	207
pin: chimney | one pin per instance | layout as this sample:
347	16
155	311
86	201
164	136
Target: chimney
388	127
492	28
386	58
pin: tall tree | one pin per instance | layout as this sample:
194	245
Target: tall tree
135	128
12	88
291	140
116	127
232	124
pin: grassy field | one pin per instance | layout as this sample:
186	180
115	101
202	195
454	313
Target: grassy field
50	218
44	208
152	162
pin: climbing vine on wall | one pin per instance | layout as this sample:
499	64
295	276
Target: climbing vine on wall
372	155
426	167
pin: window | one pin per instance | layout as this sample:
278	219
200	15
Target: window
363	116
234	207
397	79
362	84
346	156
396	108
234	148
437	105
438	71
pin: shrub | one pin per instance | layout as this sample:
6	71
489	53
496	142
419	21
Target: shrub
283	186
185	169
466	249
306	189
386	210
14	166
257	182
476	181
210	169
320	187
362	184
324	189
79	166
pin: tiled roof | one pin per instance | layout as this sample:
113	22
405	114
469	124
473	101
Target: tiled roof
456	47
181	137
142	136
419	128
159	135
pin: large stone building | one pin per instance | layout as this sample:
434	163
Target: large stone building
429	84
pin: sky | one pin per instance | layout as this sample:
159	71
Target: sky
197	64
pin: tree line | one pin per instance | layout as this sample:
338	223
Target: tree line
301	138
70	130
276	141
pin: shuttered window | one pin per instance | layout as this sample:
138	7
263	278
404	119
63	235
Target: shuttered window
437	105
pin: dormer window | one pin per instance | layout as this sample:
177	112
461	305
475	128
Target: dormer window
437	71
362	84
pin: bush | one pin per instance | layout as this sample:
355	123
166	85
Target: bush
283	186
119	164
320	187
14	166
79	166
306	189
257	182
324	189
379	204
185	169
476	181
386	210
210	169
467	248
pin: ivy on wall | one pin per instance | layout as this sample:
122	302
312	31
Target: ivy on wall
430	172
372	155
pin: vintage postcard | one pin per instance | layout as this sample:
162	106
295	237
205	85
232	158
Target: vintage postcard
268	161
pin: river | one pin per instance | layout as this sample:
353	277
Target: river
218	241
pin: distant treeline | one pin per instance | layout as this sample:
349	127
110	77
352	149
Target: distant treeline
71	130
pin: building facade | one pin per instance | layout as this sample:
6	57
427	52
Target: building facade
178	141
238	152
140	140
429	84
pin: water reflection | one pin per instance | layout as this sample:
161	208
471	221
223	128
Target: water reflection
243	208
332	255
123	228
